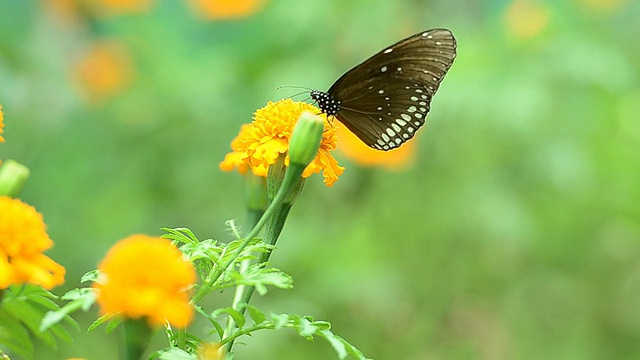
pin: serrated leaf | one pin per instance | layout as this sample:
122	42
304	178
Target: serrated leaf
113	324
219	329
91	276
338	343
104	318
237	316
53	317
14	336
30	316
256	315
183	235
305	328
60	332
280	321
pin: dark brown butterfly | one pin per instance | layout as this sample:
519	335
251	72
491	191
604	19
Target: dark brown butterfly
385	99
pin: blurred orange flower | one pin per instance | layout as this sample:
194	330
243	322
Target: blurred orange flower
260	143
103	71
525	19
363	155
143	276
23	238
220	9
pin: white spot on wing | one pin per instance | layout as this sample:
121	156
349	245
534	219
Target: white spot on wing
388	50
406	116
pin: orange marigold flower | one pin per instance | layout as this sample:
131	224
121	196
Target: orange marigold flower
143	276
219	9
103	71
1	124
363	155
259	144
23	238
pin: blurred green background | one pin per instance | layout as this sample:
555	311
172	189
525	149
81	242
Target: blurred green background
515	234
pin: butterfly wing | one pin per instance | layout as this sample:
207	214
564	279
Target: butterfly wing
385	99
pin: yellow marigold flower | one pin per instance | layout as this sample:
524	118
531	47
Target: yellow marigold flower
363	155
219	9
23	238
103	71
1	124
143	276
259	144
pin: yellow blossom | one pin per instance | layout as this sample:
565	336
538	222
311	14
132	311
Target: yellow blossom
210	351
143	276
363	155
23	238
260	143
219	9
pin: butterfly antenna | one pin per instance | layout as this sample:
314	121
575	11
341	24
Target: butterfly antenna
293	87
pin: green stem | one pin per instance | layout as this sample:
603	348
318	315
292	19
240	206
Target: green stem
272	232
137	335
291	176
240	292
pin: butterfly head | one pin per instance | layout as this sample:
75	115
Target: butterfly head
326	102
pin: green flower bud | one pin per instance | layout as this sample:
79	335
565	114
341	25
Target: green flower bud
305	139
13	176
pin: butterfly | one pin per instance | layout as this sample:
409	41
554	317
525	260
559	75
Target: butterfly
385	99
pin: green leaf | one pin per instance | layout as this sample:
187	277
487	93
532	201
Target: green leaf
341	346
257	316
306	329
80	299
280	321
236	315
85	297
91	276
30	316
113	320
174	354
14	336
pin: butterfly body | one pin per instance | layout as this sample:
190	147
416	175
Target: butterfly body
385	99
